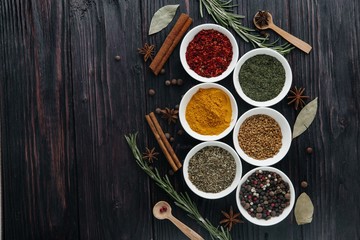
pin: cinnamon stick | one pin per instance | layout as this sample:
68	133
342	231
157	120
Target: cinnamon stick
171	41
164	139
161	143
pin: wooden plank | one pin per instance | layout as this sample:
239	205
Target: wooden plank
39	179
108	103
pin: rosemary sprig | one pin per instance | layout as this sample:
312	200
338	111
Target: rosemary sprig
222	14
182	200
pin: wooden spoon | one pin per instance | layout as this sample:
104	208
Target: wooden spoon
290	38
162	210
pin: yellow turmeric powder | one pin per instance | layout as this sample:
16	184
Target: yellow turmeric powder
209	111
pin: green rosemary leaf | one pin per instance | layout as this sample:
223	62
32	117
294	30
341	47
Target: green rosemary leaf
182	200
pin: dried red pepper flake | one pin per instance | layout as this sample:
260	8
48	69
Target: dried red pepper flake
209	54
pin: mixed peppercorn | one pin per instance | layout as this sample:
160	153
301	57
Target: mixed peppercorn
265	194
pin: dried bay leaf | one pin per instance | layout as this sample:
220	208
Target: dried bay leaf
304	209
162	18
305	118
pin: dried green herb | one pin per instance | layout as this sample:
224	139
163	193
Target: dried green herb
305	118
304	209
162	18
262	77
212	169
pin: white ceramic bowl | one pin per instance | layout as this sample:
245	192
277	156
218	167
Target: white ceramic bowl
272	220
182	110
288	76
285	130
190	36
226	191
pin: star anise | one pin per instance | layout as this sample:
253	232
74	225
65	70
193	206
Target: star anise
147	51
297	97
150	155
230	219
262	18
171	115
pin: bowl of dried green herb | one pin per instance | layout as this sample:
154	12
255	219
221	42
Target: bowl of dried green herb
212	170
262	77
209	52
265	196
262	136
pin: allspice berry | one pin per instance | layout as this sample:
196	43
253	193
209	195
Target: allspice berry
158	110
174	81
167	83
162	71
180	82
151	92
309	150
304	184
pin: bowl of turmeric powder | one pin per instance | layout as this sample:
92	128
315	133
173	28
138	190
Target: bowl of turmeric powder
208	112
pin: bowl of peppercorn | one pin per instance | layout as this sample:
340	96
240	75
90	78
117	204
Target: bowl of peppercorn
209	52
265	196
262	77
262	136
208	111
212	170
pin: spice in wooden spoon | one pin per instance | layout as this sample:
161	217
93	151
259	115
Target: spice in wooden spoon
263	20
162	210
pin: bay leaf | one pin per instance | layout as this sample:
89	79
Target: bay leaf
162	18
304	209
305	118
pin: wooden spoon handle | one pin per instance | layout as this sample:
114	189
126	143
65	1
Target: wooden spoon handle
185	229
292	39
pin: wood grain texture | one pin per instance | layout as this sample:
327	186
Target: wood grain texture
40	196
66	104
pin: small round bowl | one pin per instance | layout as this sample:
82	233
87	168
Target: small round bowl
288	76
272	220
190	36
226	191
285	130
182	111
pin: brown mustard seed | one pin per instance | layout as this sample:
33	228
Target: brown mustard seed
162	71
260	137
151	92
117	58
304	184
174	81
167	82
309	150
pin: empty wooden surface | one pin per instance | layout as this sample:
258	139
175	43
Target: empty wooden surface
66	103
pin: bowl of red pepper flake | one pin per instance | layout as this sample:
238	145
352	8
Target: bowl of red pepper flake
209	53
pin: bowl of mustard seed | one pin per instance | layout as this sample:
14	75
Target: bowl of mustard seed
262	136
262	77
212	169
265	196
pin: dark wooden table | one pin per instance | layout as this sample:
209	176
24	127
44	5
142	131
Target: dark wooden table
66	104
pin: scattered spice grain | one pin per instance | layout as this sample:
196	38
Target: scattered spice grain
212	169
260	137
117	58
167	82
309	150
151	92
162	71
304	184
173	81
